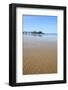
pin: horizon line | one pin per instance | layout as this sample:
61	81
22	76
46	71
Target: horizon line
37	32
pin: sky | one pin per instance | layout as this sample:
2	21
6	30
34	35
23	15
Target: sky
46	24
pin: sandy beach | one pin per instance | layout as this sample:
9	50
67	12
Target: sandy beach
40	55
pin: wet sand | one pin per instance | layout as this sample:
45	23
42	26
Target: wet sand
40	56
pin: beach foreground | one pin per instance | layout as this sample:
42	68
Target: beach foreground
39	55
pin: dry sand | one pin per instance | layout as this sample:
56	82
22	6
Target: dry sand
40	57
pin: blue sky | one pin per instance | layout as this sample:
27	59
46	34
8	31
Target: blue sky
46	24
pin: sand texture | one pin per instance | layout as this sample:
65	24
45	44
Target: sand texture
39	56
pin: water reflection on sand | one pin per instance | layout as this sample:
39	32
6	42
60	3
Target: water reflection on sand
40	54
